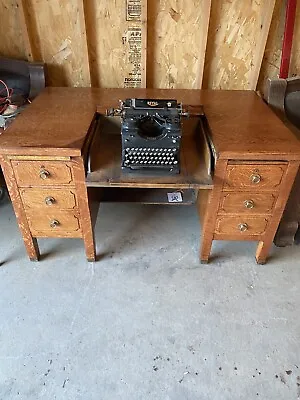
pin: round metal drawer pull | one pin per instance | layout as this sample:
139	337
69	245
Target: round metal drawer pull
54	223
249	203
49	200
243	227
44	174
255	178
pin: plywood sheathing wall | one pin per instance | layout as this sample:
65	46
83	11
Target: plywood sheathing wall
177	32
63	33
237	35
11	38
58	39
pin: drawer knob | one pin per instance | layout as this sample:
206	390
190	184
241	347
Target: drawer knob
255	178
243	227
49	200
54	223
44	174
249	203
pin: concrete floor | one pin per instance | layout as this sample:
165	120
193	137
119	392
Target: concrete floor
147	321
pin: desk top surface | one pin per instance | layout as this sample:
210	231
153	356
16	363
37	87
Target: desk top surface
241	125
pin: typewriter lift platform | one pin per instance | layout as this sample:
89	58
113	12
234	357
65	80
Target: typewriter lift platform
104	168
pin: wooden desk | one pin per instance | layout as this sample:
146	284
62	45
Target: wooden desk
43	158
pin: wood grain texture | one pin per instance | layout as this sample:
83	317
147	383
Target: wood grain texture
109	35
229	225
61	199
285	189
272	56
234	203
39	220
29	241
12	42
211	206
28	173
240	176
84	208
238	132
236	40
106	160
56	29
176	42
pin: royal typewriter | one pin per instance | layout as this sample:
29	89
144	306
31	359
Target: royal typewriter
151	132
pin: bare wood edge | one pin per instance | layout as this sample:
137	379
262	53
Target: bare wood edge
266	242
84	209
267	13
29	48
39	158
144	18
203	42
30	242
86	61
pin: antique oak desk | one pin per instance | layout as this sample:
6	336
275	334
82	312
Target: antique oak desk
44	159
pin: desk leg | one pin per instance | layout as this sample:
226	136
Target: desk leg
29	241
84	209
208	203
207	234
264	246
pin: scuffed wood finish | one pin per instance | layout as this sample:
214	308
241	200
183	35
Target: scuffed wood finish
30	173
234	203
290	222
106	160
85	212
211	206
62	117
40	221
29	241
62	199
285	189
247	137
240	176
229	225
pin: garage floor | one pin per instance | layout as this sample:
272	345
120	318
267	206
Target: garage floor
147	321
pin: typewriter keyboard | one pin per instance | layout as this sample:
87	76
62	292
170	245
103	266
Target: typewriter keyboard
156	157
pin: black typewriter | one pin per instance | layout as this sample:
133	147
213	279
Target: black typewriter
151	135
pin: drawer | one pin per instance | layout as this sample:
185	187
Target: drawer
239	225
53	223
241	203
254	176
48	198
40	173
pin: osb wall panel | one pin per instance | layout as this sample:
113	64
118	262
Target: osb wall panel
55	27
11	41
175	29
272	57
235	35
110	37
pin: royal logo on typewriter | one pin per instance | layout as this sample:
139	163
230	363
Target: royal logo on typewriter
152	103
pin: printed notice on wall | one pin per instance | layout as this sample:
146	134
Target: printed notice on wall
133	10
133	41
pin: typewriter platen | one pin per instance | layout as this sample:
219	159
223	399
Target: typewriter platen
151	134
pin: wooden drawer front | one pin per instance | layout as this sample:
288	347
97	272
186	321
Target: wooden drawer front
53	221
237	203
48	198
255	176
235	225
36	173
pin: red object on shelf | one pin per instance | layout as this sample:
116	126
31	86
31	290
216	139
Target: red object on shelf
288	38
